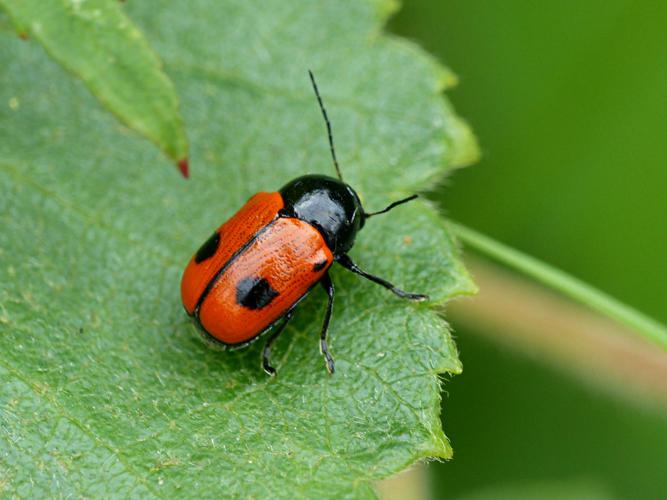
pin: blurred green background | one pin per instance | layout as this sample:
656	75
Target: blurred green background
569	102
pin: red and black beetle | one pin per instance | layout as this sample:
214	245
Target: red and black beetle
256	268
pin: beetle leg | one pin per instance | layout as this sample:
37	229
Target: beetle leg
324	349
266	353
346	262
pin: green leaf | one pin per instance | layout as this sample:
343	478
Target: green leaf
98	43
106	387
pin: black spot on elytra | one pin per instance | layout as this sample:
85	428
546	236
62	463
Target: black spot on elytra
319	265
208	248
254	293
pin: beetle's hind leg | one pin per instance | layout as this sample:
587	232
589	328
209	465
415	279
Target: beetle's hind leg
266	353
327	284
346	262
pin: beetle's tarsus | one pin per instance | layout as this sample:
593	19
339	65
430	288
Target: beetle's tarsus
327	284
347	263
266	352
328	358
269	370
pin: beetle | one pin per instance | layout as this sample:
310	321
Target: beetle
251	274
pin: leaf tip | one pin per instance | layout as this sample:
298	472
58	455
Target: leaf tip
184	167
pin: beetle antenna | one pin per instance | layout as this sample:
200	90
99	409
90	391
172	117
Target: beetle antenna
395	204
326	120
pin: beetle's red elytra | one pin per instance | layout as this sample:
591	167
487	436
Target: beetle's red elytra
250	275
275	269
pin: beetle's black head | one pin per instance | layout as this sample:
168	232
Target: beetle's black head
329	205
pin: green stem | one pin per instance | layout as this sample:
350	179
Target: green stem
564	283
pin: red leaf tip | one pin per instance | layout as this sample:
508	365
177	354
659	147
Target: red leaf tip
184	167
